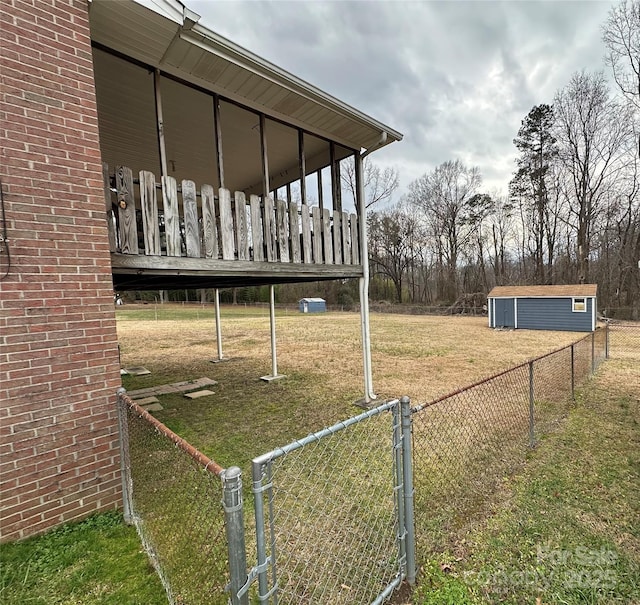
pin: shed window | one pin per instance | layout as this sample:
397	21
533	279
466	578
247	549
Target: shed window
579	305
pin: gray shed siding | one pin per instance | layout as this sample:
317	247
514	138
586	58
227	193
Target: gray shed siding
541	313
553	314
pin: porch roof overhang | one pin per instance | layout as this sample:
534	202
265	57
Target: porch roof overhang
165	34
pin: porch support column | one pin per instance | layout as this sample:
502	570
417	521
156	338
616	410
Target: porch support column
218	133
303	168
216	301
274	359
265	158
336	189
160	122
369	393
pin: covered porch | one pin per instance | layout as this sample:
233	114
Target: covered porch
219	168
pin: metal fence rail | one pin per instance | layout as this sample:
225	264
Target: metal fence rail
173	496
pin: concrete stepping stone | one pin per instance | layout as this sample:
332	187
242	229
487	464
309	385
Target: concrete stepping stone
198	394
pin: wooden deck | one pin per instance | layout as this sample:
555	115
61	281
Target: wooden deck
169	235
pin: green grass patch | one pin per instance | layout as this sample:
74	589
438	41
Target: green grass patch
566	528
98	561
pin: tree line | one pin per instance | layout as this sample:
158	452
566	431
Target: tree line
571	214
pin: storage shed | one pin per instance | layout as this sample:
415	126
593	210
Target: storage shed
568	307
312	305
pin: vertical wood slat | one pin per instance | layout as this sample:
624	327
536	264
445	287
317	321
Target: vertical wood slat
316	215
326	236
149	207
269	229
242	236
307	254
256	228
171	216
209	228
355	240
337	236
190	214
126	211
346	249
226	224
294	232
282	220
113	246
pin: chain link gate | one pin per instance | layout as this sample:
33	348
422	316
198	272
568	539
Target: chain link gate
334	514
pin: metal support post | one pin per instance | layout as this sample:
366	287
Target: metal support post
399	487
573	373
593	352
532	436
125	467
234	524
369	393
606	340
216	301
274	358
407	471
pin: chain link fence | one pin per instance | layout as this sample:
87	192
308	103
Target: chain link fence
327	513
173	495
624	340
332	517
467	443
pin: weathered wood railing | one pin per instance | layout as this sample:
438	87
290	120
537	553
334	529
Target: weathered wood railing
221	227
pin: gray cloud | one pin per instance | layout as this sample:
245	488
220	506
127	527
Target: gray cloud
456	77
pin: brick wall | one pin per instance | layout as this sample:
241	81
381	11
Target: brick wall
58	350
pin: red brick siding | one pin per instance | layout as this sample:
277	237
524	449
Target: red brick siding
58	348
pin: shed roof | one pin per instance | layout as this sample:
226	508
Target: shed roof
318	300
544	291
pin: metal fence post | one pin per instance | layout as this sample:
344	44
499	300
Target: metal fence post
125	466
258	496
407	471
397	453
573	372
234	523
593	352
532	437
606	340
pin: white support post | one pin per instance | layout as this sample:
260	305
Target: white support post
218	327
274	359
369	393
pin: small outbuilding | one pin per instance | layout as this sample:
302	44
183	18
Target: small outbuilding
568	307
312	305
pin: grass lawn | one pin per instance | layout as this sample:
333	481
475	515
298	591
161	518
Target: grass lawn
98	561
564	529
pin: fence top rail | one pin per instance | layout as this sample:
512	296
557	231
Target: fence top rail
422	406
208	465
339	426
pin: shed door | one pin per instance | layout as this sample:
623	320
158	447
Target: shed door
505	313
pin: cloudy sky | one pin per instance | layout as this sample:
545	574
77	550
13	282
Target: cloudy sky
455	77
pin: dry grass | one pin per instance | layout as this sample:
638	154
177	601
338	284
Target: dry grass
421	356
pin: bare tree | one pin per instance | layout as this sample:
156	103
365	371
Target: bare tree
443	196
592	131
621	35
392	235
379	184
